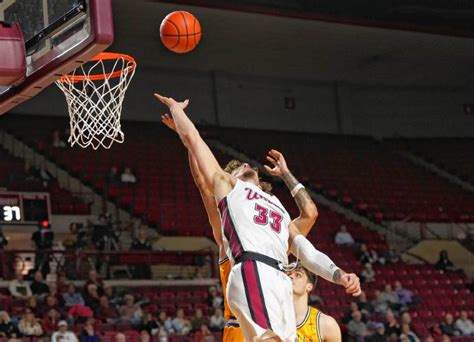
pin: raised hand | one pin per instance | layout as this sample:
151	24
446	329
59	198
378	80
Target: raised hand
279	164
168	121
171	103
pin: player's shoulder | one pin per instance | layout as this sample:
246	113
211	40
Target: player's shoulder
327	322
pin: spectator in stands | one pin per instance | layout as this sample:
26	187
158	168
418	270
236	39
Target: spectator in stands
91	297
144	336
180	324
71	297
62	284
349	315
141	243
405	296
53	291
33	305
378	335
435	331
113	176
113	298
93	278
63	335
449	327
150	324
392	328
356	328
38	287
367	275
198	320
444	263
119	337
7	329
204	334
217	320
58	140
366	255
213	299
19	288
379	304
50	302
464	324
88	333
106	313
391	256
130	311
364	305
51	321
390	297
408	334
343	237
128	177
405	318
29	325
165	322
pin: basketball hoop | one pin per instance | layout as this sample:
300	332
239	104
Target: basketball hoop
94	94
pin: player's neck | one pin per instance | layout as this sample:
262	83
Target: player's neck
301	307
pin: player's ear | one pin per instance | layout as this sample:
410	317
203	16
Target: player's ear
309	287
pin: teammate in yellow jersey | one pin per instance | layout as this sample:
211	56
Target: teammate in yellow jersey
312	324
304	222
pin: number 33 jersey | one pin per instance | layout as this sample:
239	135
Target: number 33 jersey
254	221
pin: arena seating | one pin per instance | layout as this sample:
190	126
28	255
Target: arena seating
357	171
13	176
362	173
451	154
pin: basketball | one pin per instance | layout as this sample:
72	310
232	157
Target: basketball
180	32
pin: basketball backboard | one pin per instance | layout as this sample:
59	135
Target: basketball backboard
59	36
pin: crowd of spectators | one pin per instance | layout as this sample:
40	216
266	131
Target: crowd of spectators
59	311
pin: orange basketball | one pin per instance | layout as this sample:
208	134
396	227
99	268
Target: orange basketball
180	31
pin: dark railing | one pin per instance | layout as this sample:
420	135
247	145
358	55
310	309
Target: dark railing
78	262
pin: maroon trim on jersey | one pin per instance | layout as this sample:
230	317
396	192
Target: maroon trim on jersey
229	229
254	294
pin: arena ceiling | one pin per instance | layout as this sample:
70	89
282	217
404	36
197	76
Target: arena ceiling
275	46
452	17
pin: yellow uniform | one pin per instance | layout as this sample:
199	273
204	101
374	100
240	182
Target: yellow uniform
232	331
308	330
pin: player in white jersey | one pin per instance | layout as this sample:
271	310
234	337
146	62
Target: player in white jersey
258	233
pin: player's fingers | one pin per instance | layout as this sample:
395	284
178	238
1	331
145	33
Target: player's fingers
271	160
275	154
185	103
163	99
357	293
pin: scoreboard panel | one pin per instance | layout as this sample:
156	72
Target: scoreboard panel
24	207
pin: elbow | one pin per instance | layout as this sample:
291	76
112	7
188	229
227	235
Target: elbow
311	213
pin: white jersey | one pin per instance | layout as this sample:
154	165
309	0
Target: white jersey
254	221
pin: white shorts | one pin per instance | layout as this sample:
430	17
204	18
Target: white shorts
261	297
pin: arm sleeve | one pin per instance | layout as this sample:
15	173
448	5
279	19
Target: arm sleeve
315	261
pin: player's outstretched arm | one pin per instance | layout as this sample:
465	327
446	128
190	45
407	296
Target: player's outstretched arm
320	264
207	197
216	179
308	210
330	330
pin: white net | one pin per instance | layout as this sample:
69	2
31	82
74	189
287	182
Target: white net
94	94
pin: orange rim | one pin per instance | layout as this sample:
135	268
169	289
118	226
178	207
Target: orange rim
98	77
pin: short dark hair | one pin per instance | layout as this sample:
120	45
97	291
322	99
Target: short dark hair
312	278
